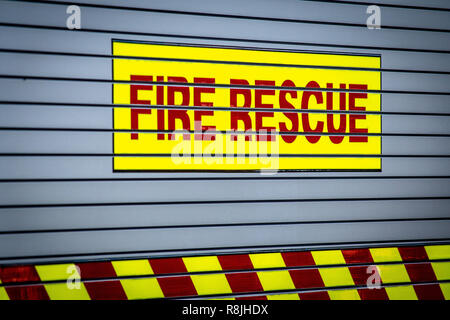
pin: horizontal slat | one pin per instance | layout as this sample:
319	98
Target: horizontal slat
436	4
218	85
100	143
415	82
58	142
35	65
296	10
415	103
85	117
13	115
20	245
55	91
419	124
139	216
28	193
187	25
54	65
299	65
214	251
100	93
101	168
100	43
97	117
396	103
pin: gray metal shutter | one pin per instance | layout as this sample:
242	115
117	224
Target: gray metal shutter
61	200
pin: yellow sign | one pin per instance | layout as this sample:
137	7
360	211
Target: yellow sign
224	109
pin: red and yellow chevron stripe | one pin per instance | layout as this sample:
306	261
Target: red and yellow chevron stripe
407	273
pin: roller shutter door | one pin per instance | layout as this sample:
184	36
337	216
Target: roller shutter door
62	203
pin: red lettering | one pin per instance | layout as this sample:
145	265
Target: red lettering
161	112
180	92
292	116
352	107
199	114
330	116
134	88
305	117
259	93
240	115
135	120
178	114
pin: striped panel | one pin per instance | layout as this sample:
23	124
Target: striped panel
421	272
104	290
62	291
144	288
350	294
305	278
288	296
361	274
211	283
23	274
176	286
335	277
3	294
339	294
445	287
244	281
272	280
318	295
438	252
406	273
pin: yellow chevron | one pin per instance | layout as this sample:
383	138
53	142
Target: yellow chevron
145	288
62	291
3	293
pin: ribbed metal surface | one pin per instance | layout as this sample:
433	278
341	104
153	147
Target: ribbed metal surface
60	199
